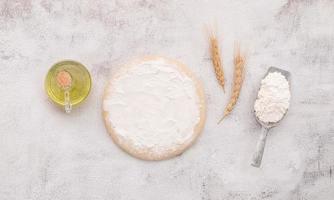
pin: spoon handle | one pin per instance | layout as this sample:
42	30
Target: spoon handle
67	101
257	157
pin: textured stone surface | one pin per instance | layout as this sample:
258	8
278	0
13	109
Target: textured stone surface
46	154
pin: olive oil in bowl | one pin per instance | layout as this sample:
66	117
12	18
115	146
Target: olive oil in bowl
80	83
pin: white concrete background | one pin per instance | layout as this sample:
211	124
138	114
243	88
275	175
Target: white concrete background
46	154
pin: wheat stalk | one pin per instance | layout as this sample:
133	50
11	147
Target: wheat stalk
239	64
216	60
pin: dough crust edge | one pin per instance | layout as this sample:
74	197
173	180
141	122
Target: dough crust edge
146	154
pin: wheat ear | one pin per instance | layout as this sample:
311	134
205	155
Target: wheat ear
239	65
216	60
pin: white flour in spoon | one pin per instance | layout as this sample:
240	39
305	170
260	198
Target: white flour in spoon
273	98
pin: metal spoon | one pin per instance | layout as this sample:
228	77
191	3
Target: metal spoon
257	157
64	81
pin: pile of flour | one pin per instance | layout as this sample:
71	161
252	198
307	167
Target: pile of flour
273	99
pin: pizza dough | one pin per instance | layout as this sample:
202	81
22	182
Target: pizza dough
154	108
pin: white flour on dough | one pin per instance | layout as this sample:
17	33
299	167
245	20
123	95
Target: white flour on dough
153	105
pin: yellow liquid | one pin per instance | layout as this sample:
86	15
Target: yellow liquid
80	86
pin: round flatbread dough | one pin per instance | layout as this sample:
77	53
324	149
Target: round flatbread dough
154	108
